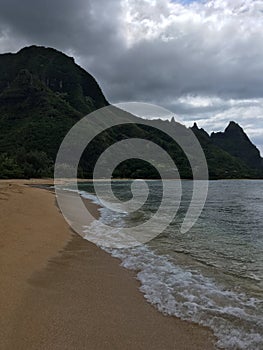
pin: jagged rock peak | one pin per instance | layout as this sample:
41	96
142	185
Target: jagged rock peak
233	126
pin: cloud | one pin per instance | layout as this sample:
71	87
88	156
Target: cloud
202	59
213	114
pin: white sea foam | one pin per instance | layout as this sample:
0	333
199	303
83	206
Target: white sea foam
191	296
97	232
187	294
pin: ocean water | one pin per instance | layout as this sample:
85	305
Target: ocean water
212	275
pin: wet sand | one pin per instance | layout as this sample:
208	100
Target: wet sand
59	291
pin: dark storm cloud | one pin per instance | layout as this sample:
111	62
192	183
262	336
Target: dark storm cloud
79	25
199	60
156	51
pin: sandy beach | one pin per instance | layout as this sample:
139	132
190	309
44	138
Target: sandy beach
59	291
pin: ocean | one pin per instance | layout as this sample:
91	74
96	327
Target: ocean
211	275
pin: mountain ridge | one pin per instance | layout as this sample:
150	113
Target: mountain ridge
43	93
236	142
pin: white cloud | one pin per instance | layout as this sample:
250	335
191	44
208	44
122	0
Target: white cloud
213	114
204	59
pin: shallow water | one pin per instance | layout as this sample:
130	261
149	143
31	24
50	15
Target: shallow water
212	275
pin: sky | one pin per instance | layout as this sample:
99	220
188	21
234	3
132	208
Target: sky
201	59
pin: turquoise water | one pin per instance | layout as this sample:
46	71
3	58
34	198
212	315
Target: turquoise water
212	275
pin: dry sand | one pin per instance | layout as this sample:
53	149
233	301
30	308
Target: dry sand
59	291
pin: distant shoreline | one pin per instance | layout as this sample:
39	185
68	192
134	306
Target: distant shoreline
50	181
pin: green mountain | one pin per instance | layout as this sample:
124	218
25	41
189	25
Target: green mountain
57	72
43	93
234	141
223	161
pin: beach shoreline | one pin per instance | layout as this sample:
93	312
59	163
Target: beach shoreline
60	291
